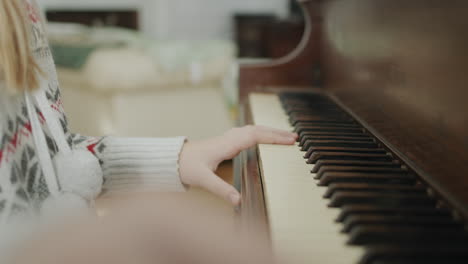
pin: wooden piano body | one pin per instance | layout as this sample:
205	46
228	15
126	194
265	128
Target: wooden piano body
399	67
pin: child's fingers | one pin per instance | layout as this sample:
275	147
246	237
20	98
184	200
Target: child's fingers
252	135
239	139
267	135
280	132
216	185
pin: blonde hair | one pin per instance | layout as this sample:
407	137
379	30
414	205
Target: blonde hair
18	67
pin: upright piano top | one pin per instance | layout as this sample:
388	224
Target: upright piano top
402	68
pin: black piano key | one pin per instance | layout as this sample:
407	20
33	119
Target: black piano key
305	99
306	128
312	150
366	209
384	188
338	143
308	110
305	138
304	108
299	106
323	136
415	254
297	116
304	112
355	177
314	120
398	220
334	136
325	120
377	170
310	122
415	235
361	163
319	155
322	133
313	103
340	198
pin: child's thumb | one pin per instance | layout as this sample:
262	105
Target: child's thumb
216	185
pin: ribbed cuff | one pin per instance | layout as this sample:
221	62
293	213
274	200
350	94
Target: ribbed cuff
142	164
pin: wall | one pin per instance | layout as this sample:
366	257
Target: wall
181	19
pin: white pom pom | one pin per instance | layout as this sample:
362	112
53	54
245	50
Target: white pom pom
79	172
63	205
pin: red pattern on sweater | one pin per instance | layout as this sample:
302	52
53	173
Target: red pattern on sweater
91	148
23	132
32	12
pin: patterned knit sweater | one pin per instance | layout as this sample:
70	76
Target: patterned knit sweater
127	163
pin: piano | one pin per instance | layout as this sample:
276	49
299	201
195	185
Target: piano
378	92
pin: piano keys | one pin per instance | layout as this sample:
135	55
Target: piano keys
300	222
354	208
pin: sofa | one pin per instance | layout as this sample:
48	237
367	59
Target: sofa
117	82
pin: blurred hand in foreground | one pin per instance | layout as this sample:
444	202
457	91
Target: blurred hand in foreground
166	231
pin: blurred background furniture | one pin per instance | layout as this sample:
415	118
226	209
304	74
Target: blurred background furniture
143	73
266	35
115	81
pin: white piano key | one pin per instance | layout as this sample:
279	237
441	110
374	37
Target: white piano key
302	227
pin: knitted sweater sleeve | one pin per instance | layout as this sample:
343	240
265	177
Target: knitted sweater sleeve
136	164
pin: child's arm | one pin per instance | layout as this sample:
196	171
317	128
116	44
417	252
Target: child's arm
135	164
167	163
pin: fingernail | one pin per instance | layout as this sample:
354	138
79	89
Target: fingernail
234	197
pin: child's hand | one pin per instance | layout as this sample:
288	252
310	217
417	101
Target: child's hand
199	159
